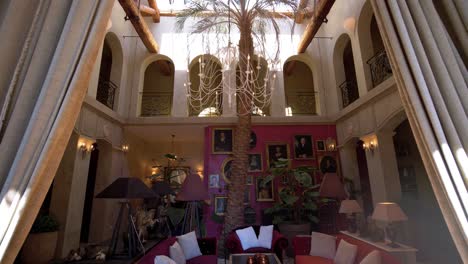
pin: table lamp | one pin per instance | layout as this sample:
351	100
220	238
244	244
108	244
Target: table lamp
350	208
331	187
390	213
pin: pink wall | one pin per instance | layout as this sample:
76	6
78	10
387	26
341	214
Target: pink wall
265	134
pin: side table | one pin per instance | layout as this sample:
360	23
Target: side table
406	254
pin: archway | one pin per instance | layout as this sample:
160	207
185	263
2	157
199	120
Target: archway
299	88
209	104
110	72
345	72
158	88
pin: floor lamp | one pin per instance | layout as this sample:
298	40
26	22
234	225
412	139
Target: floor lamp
331	187
126	189
192	192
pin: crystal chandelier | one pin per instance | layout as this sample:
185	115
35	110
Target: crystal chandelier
219	79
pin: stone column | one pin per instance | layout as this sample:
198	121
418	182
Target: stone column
383	169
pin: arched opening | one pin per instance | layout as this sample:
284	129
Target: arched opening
377	68
158	88
419	203
345	71
206	101
260	106
110	71
299	89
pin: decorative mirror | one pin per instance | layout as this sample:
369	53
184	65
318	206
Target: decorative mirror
226	170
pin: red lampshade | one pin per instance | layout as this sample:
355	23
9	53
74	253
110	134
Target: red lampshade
332	187
193	189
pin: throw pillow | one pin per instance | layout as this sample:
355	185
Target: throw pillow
163	260
322	245
189	245
265	236
346	253
176	253
247	237
372	258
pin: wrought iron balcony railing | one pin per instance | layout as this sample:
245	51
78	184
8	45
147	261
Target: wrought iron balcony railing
106	92
380	68
349	92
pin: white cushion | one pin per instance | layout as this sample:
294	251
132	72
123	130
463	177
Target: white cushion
372	258
176	253
322	245
163	260
346	253
265	236
247	237
189	245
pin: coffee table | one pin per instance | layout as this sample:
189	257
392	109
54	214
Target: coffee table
242	258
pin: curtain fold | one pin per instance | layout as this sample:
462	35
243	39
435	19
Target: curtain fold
41	122
431	76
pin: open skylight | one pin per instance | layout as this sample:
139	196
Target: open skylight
174	6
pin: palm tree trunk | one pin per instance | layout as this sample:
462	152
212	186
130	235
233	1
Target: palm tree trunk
235	214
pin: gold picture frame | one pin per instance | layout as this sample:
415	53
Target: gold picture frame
255	162
276	150
264	193
221	140
220	204
226	167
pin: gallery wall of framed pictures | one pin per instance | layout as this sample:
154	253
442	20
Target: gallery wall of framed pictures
302	145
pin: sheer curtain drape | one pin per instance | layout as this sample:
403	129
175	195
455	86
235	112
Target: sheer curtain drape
58	45
426	43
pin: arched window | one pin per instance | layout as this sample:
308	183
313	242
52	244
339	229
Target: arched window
345	71
299	89
260	107
204	101
158	88
377	68
110	71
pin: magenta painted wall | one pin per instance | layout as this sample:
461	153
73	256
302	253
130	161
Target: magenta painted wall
265	134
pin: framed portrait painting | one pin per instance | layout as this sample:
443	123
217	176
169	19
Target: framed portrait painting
264	192
255	162
220	204
320	145
222	141
213	181
275	152
303	147
328	164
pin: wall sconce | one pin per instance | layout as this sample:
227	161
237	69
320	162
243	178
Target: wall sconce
82	148
330	144
124	148
370	146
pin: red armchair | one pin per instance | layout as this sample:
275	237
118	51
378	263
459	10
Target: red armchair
208	247
302	248
278	243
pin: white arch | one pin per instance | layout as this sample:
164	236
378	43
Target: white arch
365	40
306	59
117	65
141	77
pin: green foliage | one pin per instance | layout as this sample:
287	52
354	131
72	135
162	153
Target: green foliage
44	224
298	199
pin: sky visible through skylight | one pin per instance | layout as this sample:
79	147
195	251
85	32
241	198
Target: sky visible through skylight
178	5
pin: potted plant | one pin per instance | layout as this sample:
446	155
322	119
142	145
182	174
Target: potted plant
41	242
295	210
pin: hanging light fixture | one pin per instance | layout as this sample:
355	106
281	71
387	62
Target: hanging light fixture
219	75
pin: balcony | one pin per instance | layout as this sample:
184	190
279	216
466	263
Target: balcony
380	68
349	92
106	92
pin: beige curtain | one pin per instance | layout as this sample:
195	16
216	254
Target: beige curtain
427	46
50	52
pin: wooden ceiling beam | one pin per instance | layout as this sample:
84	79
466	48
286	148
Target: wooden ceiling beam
140	26
301	11
320	13
147	11
154	5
